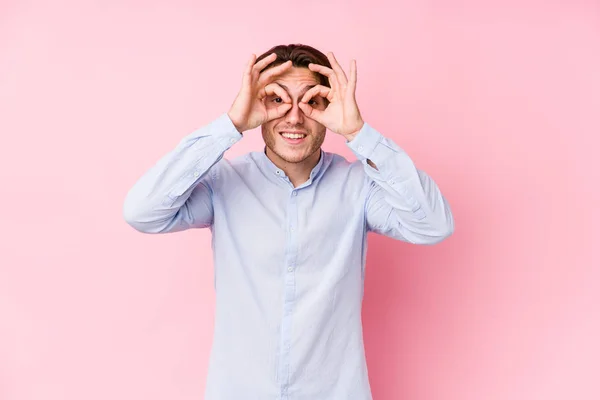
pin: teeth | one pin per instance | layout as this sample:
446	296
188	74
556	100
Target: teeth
293	135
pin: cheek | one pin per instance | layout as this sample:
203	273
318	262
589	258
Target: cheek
317	129
269	132
268	127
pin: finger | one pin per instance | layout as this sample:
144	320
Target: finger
278	112
353	77
340	74
311	112
246	79
259	66
268	75
274	89
328	72
318	90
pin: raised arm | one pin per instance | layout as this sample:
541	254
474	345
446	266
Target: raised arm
403	202
176	193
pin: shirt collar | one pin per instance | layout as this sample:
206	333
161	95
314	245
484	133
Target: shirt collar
279	173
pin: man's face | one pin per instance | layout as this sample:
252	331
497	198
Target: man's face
295	81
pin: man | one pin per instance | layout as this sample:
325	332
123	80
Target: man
289	226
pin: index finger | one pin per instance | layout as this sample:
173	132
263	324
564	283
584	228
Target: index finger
274	89
328	72
318	90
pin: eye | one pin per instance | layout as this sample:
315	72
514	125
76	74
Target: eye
278	100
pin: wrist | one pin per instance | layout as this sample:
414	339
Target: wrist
236	124
350	136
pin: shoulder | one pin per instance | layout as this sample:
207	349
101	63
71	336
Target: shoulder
346	175
340	165
241	164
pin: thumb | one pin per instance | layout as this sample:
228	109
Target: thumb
278	112
311	112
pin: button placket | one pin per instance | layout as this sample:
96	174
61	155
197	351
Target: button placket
289	289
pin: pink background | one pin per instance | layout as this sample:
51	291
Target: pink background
498	101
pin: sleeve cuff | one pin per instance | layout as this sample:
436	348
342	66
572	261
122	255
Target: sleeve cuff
224	129
364	143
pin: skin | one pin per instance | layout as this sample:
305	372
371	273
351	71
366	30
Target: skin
289	98
297	160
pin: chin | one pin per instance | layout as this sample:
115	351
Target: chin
291	157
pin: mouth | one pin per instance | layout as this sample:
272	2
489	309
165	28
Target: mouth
293	137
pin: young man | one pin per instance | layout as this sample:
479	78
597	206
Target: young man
289	226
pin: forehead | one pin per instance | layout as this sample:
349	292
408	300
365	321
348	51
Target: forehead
297	78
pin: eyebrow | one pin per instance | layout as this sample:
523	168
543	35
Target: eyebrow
306	89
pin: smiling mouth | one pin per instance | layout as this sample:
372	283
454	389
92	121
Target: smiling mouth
293	137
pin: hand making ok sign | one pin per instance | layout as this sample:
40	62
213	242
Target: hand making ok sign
342	115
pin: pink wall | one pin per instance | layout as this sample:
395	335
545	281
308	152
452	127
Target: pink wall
499	101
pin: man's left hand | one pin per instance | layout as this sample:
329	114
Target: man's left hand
342	115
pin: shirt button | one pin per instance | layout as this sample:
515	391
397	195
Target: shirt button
196	174
290	269
295	193
231	140
392	182
360	148
292	229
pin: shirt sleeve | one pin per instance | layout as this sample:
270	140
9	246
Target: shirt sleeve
403	202
176	193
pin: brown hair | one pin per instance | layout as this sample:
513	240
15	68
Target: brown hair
301	55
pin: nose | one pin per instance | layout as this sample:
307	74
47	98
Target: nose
294	115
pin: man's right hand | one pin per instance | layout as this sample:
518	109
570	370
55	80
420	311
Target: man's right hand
248	110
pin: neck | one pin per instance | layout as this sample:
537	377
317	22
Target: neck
297	172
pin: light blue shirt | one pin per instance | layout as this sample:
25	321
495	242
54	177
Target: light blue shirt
289	263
